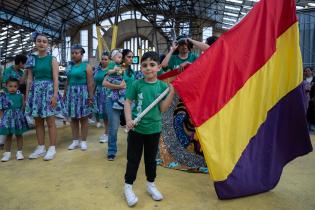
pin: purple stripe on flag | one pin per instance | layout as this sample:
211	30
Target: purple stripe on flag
280	139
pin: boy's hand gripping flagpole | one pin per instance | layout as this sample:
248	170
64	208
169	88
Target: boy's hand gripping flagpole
156	101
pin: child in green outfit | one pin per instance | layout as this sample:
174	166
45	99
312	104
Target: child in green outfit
146	133
115	77
13	121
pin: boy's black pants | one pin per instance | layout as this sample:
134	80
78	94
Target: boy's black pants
136	143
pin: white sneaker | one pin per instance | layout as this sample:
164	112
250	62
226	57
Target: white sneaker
130	196
103	138
83	145
6	156
19	155
75	144
98	125
50	153
154	192
39	151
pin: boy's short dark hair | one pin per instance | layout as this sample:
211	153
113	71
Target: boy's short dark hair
20	59
12	79
152	56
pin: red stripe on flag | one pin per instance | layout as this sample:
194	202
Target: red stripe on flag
169	74
214	78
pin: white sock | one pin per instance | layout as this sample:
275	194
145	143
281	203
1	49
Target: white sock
127	185
52	147
42	147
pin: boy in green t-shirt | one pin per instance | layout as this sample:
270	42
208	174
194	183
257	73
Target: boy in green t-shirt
15	71
146	133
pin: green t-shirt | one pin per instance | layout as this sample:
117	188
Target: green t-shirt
16	99
129	79
77	74
111	66
143	94
175	61
43	68
11	72
99	76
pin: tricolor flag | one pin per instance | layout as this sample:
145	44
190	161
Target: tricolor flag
245	98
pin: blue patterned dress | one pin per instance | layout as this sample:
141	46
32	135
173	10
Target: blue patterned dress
77	92
13	121
100	93
42	90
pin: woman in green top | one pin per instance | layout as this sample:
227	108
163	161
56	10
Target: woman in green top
43	101
179	55
100	95
114	111
180	149
129	76
79	97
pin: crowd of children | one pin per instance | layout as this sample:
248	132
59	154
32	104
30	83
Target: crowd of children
113	93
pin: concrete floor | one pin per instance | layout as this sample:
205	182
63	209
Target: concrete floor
86	180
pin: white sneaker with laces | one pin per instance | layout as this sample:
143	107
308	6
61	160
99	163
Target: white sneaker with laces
6	156
103	138
75	144
154	192
83	145
51	152
39	151
19	155
130	196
